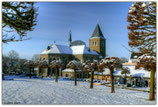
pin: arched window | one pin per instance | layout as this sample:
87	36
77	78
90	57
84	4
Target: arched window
95	43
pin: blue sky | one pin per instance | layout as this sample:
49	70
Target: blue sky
56	19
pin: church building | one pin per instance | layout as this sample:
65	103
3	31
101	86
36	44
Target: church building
77	50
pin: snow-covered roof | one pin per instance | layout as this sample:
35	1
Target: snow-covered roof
82	49
70	70
62	49
58	49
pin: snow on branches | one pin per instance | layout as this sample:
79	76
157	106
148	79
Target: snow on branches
110	62
146	61
88	66
43	63
125	70
74	65
142	26
55	63
29	63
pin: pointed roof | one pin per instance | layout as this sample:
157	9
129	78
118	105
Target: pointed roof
70	36
97	32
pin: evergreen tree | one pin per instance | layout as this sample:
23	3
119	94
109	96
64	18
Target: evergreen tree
18	17
142	26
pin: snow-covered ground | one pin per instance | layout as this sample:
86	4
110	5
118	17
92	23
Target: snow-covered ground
36	91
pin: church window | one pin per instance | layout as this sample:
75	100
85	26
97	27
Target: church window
95	43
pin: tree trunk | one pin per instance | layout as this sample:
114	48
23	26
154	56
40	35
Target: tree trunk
111	77
91	84
125	78
152	78
87	74
30	73
75	79
41	74
56	74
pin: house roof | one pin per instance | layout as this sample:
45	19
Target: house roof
78	42
62	49
97	32
58	49
82	49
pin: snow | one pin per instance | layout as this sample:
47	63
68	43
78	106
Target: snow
47	91
135	73
82	49
144	4
58	49
62	49
70	70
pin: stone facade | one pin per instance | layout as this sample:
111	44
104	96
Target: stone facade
98	44
71	74
66	58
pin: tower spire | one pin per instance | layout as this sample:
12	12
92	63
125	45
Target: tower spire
70	40
97	32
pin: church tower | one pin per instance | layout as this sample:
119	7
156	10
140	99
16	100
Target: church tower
97	42
70	40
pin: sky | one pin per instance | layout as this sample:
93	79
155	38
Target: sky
56	19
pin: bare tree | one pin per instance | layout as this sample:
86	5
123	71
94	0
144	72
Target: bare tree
30	65
125	71
75	65
123	59
148	61
90	67
13	60
36	57
110	63
142	26
5	67
56	64
43	64
18	17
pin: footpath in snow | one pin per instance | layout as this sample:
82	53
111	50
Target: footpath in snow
47	91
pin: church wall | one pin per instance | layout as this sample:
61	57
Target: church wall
44	56
99	46
90	57
94	46
78	57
